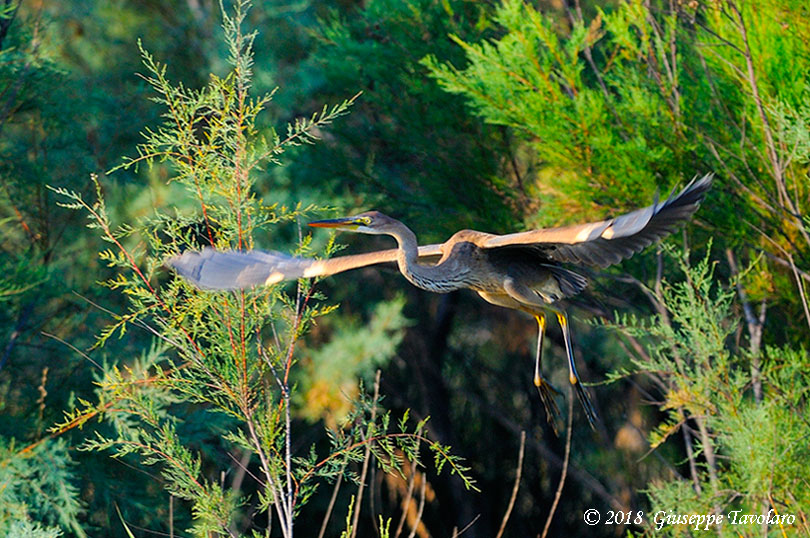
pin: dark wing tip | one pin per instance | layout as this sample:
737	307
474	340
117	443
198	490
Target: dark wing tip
189	264
694	192
632	232
229	270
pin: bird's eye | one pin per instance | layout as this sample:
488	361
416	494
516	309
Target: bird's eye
366	221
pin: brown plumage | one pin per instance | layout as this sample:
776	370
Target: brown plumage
522	271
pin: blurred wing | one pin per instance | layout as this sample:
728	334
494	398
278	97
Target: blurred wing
232	269
609	241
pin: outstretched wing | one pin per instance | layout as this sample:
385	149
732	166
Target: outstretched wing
609	241
598	243
232	269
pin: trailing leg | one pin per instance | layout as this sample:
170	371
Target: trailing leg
573	376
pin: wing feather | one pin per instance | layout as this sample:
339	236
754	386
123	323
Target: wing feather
597	243
232	269
609	241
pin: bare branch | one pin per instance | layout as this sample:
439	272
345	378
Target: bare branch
566	459
366	459
778	168
421	509
518	473
407	501
753	324
331	505
690	453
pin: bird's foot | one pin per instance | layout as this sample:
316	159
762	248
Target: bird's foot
546	390
585	400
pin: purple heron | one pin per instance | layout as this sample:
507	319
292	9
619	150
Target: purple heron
523	271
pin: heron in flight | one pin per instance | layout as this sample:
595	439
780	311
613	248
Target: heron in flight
523	271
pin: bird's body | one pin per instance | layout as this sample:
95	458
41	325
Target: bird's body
522	271
466	265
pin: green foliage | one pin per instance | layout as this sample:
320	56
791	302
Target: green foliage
366	431
688	348
349	531
38	498
26	529
604	137
753	451
754	128
647	94
230	353
494	116
639	96
409	147
354	351
43	138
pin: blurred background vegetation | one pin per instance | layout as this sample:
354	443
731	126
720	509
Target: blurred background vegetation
497	116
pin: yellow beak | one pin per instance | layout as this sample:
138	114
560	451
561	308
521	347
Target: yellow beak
349	223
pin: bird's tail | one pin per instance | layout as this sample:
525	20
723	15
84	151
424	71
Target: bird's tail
570	283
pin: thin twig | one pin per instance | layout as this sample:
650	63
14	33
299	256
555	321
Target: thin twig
753	324
515	486
690	455
288	454
800	285
407	501
366	459
796	275
243	466
580	475
421	508
778	167
276	489
803	274
331	505
457	533
566	459
74	348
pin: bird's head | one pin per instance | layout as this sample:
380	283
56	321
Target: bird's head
370	222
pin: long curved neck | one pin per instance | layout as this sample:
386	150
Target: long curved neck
436	278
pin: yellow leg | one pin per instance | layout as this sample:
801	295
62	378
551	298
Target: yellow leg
541	326
544	388
573	376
